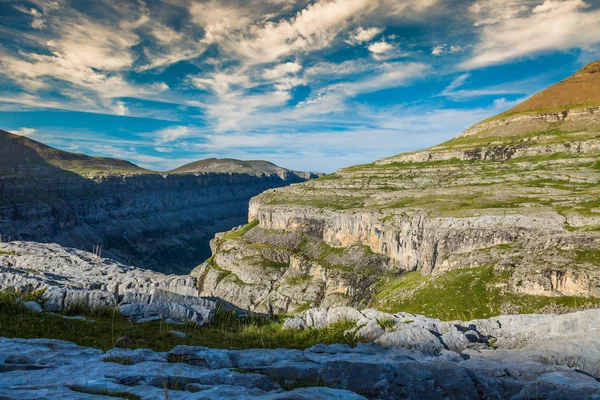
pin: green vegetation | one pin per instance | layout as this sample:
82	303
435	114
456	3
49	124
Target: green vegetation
122	395
462	295
238	233
229	330
587	256
387	323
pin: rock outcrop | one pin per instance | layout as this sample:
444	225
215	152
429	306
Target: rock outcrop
74	278
514	195
152	220
571	339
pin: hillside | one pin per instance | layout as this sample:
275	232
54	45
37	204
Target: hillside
26	157
479	225
577	91
571	105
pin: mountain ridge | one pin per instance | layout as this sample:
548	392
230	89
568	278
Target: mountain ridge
20	154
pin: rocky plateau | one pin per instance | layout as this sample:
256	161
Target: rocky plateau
513	200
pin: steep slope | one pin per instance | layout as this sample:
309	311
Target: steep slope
484	223
145	218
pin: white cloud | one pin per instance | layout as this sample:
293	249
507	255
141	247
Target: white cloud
282	70
24	131
457	82
551	25
380	47
486	12
171	134
438	50
120	108
363	35
452	92
328	70
38	20
444	49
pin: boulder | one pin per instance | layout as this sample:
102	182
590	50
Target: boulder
178	312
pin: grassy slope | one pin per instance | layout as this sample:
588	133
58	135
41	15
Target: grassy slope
228	331
464	294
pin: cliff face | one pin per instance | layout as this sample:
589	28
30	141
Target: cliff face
150	220
512	201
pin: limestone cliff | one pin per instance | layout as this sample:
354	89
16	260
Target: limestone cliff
149	219
513	200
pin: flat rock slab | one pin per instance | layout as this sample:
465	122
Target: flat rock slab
40	368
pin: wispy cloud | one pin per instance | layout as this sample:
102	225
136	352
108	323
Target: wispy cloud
521	29
24	131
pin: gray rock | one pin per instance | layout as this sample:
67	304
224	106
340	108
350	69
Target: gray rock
178	334
412	338
321	372
33	306
174	311
455	341
296	323
370	332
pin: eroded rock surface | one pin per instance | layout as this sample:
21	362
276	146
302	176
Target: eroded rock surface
41	368
71	277
571	339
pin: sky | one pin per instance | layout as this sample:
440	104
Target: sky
307	84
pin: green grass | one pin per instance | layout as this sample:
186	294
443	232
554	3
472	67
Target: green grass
462	294
587	256
238	233
387	323
122	395
229	330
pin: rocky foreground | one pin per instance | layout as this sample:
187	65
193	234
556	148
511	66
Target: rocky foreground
550	357
74	278
401	355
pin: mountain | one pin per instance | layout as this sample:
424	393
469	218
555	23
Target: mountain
230	165
578	91
146	218
569	106
22	156
504	218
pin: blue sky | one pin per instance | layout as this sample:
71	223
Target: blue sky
310	85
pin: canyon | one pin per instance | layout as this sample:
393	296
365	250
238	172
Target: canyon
160	221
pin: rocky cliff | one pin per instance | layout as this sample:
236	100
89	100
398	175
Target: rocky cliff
149	219
503	218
